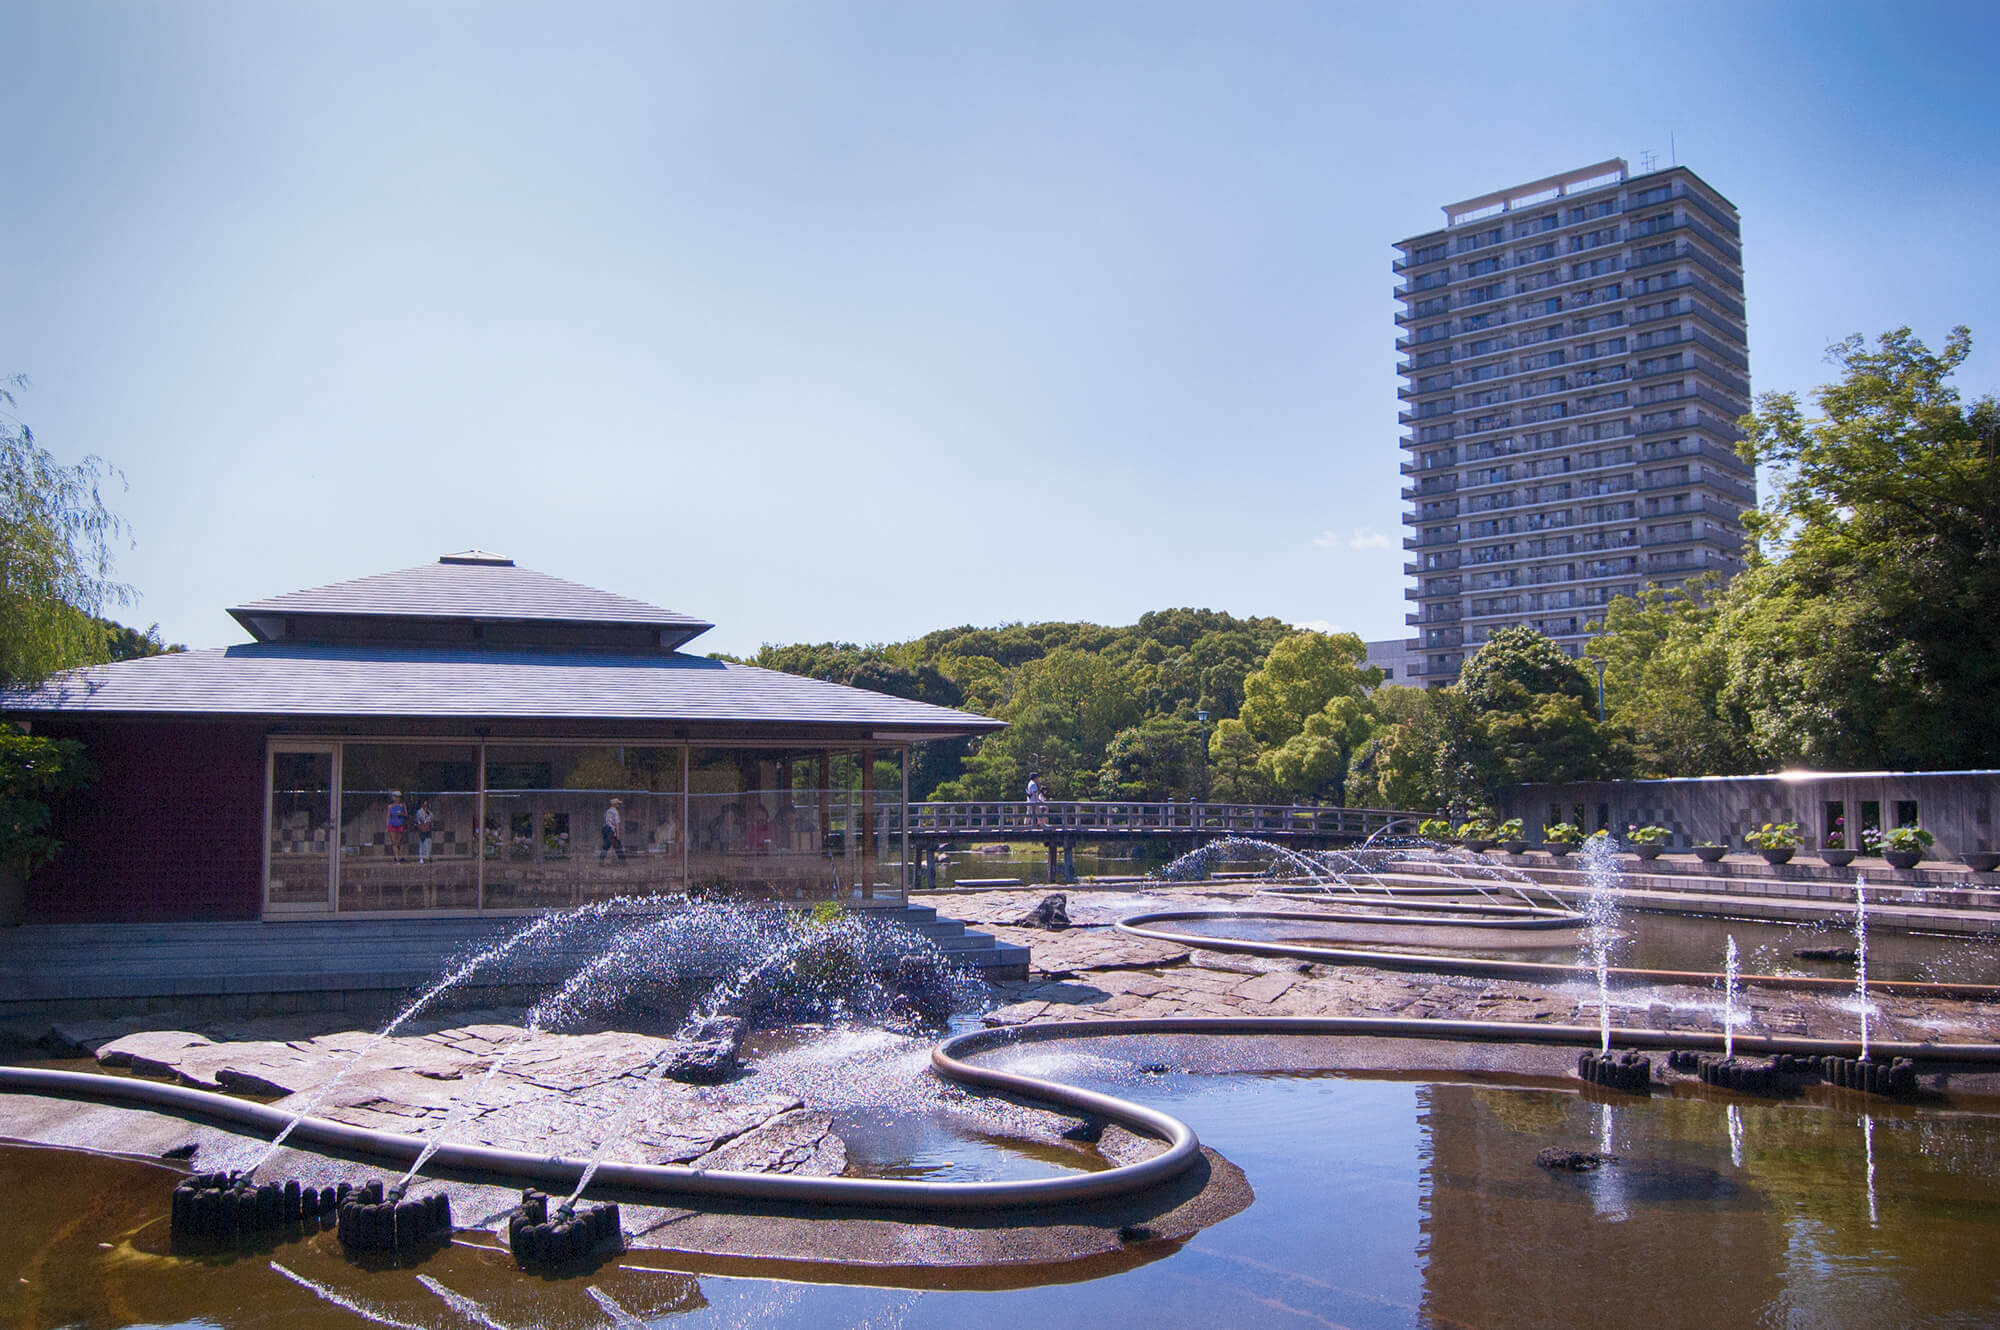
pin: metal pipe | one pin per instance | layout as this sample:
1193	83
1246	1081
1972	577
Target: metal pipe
1532	971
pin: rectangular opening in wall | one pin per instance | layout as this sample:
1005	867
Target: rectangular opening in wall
1906	812
1833	824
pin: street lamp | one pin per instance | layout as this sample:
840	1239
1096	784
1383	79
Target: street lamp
1599	662
1202	716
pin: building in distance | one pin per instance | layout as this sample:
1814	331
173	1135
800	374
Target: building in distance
1574	363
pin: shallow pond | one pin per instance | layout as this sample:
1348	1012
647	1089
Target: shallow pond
1381	1202
1646	941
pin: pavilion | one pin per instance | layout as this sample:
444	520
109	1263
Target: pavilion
459	738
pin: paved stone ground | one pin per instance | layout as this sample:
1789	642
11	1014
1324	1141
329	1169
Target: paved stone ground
479	1077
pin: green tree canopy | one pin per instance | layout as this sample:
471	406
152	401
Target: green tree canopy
56	541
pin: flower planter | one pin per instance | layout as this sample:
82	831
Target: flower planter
1710	854
1648	851
1514	846
1983	861
1558	848
1837	858
1477	846
1903	858
1776	857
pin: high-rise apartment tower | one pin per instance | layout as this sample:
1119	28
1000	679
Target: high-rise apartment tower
1574	365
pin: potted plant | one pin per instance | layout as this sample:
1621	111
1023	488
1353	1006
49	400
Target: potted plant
1475	834
1834	850
1903	847
1561	838
1709	852
1776	841
1434	828
1648	841
1982	861
1509	835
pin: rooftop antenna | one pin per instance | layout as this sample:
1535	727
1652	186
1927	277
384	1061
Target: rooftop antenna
1676	152
1646	160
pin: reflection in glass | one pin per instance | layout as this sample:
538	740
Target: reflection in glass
301	812
794	823
570	824
407	815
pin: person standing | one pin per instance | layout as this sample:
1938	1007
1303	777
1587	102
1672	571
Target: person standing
423	831
613	831
397	818
1036	798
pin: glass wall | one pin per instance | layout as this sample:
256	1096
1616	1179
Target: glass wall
408	813
795	823
301	819
433	825
567	824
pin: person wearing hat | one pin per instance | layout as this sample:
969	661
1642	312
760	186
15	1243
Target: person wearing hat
614	826
398	816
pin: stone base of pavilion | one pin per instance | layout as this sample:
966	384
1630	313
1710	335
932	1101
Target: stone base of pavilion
363	969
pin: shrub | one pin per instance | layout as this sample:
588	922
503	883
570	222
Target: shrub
1774	836
1564	833
1508	830
1475	829
1908	839
1434	828
1648	835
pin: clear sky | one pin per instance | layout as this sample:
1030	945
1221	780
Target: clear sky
841	320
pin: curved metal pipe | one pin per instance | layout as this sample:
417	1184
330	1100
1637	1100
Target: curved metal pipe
1532	971
557	1171
949	1058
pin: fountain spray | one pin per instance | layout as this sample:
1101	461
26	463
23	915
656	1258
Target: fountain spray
1729	979
1861	955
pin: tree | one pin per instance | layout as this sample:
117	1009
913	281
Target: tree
33	770
56	539
1866	634
1521	659
1428	752
1159	758
1666	667
1534	710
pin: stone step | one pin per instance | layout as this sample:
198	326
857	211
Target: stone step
42	963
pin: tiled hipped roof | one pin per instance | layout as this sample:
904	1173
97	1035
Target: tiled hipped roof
462	587
303	679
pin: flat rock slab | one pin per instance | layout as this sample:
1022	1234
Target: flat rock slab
1078	950
799	1141
150	1052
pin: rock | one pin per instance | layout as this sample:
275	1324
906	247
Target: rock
801	1142
1572	1161
150	1052
706	1052
1051	914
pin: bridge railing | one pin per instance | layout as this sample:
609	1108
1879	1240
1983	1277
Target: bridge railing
1124	818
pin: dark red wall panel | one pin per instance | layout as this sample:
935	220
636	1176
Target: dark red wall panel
171	828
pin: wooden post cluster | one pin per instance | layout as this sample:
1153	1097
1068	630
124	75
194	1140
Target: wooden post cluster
1739	1074
371	1221
572	1237
1627	1071
211	1207
1898	1078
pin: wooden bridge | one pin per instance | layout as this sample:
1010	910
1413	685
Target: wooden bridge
1062	823
1087	819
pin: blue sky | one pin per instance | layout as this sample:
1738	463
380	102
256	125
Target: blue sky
856	320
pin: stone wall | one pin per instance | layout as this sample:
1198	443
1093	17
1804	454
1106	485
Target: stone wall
1955	806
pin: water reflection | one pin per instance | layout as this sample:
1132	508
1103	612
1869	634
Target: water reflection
1391	1201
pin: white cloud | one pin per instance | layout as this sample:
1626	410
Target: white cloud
1361	538
1320	626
